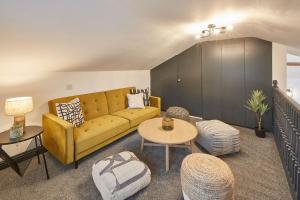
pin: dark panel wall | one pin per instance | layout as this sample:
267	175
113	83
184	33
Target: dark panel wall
178	81
164	83
233	81
213	79
189	80
258	68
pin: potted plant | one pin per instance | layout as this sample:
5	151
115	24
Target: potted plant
256	103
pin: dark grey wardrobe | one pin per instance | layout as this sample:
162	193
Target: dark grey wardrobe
178	81
213	79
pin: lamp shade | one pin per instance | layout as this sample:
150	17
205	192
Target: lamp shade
18	106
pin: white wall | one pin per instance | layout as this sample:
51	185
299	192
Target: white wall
53	85
293	77
279	69
45	86
294	82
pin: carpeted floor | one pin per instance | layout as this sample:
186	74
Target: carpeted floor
257	170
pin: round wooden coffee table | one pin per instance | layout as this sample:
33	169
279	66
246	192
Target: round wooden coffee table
181	136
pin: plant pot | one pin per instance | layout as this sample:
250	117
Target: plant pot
260	133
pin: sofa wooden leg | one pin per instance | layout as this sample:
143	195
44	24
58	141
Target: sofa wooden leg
76	164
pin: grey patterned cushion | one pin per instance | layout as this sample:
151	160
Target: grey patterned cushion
119	176
178	113
70	112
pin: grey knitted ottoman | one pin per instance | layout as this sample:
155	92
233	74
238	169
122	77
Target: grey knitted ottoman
178	113
206	177
217	137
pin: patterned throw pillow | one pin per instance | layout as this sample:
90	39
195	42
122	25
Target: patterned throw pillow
145	93
70	112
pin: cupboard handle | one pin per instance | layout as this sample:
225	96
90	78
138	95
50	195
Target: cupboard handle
178	80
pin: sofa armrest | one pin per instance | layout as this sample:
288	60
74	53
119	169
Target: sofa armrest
155	102
58	138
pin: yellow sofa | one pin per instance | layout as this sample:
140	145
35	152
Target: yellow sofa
107	119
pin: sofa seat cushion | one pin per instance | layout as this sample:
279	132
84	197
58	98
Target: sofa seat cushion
97	130
136	116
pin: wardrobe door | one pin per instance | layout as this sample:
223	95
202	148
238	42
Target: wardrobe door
211	80
258	68
233	82
164	83
189	80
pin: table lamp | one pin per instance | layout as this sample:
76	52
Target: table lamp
18	107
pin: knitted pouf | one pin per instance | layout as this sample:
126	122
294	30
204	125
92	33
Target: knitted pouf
217	137
205	177
178	113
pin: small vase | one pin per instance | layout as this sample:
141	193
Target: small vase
167	123
16	132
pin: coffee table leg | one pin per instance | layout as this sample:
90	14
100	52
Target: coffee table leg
167	157
191	146
142	144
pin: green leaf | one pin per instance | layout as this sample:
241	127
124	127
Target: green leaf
256	103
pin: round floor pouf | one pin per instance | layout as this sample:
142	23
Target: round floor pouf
206	177
178	113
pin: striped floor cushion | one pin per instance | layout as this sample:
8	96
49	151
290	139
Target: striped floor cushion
217	137
119	176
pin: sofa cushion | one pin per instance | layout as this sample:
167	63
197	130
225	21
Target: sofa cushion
98	130
135	100
136	116
93	105
70	112
146	97
117	99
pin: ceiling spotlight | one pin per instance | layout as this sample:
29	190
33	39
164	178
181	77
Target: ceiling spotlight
212	29
229	27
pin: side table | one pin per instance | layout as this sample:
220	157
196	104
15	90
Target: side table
31	132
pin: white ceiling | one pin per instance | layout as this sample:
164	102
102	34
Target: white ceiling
68	35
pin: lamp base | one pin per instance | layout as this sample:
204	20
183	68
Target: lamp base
20	120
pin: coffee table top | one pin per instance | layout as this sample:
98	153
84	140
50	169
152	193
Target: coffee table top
30	132
152	131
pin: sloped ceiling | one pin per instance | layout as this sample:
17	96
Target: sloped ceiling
81	35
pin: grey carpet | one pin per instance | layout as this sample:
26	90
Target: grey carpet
257	170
